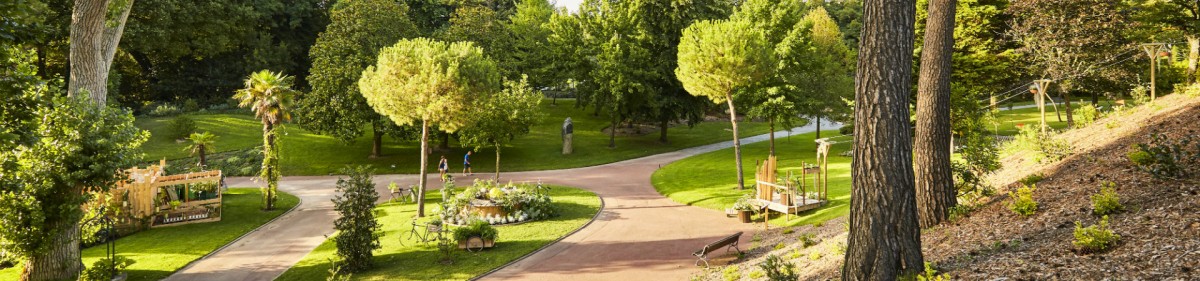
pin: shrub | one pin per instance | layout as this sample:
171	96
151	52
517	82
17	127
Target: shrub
1032	179
778	269
807	239
1095	238
164	110
814	255
1192	90
780	246
181	127
847	129
105	269
476	227
358	230
757	274
731	273
1162	157
960	211
1106	202
1045	147
1022	201
190	105
1086	115
1140	94
931	274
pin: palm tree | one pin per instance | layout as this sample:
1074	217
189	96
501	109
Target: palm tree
201	143
270	96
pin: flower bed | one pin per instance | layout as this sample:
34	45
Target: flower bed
495	204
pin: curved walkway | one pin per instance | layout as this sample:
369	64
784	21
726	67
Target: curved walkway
639	235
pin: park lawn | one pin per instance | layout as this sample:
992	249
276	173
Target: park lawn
305	153
419	261
1007	120
158	252
710	181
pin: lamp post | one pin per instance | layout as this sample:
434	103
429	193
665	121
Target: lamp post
1155	51
1038	89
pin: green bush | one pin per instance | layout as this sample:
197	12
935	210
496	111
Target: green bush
190	105
1022	201
931	274
164	110
1192	90
105	269
1095	238
181	127
476	227
1164	158
1086	115
807	240
1140	94
847	129
731	273
1032	179
1106	202
778	269
757	274
358	230
1045	146
814	255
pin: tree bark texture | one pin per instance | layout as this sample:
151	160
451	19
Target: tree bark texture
93	46
737	143
884	240
61	261
376	142
1193	56
935	185
424	163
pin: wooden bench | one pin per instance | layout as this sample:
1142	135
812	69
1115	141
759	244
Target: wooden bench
730	241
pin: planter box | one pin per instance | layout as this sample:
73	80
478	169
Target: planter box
476	243
744	216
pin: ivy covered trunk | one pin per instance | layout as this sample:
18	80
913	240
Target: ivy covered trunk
270	167
737	144
935	185
884	240
61	260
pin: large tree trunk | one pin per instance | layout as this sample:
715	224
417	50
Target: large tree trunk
662	133
884	240
424	163
93	46
737	144
61	261
935	185
1193	56
270	164
376	142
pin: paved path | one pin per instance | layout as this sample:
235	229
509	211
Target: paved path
639	235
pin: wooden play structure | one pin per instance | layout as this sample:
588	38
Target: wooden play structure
793	195
171	199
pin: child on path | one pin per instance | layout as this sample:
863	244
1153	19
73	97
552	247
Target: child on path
443	167
467	164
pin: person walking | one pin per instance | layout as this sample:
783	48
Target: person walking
467	164
443	167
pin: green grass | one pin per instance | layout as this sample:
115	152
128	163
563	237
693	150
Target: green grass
161	251
418	261
305	153
710	181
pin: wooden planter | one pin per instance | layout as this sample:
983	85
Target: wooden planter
744	216
475	242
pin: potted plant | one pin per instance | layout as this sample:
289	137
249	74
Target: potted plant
175	204
478	234
743	208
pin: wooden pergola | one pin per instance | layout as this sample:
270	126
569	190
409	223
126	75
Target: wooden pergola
150	194
788	197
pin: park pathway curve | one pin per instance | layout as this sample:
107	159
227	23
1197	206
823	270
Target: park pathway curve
638	235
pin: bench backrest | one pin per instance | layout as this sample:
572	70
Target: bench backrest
723	242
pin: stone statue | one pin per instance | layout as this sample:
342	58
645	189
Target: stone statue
568	130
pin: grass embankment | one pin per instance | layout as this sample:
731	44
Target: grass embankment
414	260
305	153
709	181
162	251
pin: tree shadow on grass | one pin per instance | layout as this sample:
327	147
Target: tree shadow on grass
425	263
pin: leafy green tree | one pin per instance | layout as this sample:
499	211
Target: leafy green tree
270	96
358	29
503	117
201	144
718	58
486	28
829	80
430	82
530	53
70	146
358	229
1178	15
